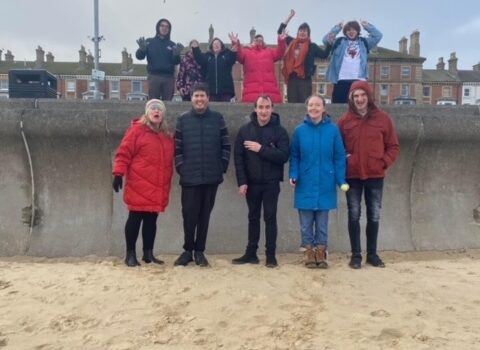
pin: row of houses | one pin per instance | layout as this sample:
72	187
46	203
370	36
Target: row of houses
396	76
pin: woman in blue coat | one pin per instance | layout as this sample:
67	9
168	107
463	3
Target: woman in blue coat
317	166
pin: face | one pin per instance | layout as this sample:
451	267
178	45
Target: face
264	111
200	101
351	33
315	108
360	100
302	34
164	28
216	46
155	115
258	41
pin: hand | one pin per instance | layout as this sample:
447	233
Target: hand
345	187
117	183
142	43
283	36
292	182
291	14
364	23
233	37
242	190
252	146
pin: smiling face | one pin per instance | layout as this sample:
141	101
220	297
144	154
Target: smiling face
351	33
360	100
264	109
164	28
216	46
199	101
316	108
302	33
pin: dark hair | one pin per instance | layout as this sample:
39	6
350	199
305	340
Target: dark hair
200	87
263	97
351	25
305	26
221	44
258	36
157	27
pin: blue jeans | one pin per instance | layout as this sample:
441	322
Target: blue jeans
373	189
314	227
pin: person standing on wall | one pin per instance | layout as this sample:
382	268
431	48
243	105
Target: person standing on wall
145	159
349	56
317	167
202	154
372	147
162	55
260	152
189	74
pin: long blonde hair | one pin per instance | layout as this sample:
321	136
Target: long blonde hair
163	127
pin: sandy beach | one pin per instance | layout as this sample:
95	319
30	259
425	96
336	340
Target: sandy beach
428	300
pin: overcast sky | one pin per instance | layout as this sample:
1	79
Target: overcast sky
62	26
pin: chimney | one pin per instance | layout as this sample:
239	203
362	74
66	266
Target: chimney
210	33
124	60
252	34
40	61
82	59
90	59
476	67
1	51
452	64
415	44
130	61
402	45
9	57
440	64
50	57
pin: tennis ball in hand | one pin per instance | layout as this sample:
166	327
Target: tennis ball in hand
345	187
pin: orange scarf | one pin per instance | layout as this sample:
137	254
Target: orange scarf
292	64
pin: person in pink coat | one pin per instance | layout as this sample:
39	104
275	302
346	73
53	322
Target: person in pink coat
259	67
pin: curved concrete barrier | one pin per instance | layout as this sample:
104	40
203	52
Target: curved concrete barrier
430	201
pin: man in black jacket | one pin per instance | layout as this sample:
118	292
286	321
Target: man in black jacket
162	55
202	153
261	150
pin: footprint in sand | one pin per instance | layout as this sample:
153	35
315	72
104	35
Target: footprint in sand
389	333
5	284
380	313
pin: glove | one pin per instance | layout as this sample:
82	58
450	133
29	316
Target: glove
117	183
177	49
142	44
345	187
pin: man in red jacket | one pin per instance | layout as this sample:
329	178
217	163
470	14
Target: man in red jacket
372	147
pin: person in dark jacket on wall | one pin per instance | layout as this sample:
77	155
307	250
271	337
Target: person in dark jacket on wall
202	154
299	61
145	159
217	64
261	150
162	55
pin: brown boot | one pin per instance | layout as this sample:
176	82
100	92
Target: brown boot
309	257
321	257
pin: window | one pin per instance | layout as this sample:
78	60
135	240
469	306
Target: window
322	89
114	86
446	91
91	86
384	90
405	90
136	86
406	72
466	92
71	86
3	85
385	72
426	91
322	70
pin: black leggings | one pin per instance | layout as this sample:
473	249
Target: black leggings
149	229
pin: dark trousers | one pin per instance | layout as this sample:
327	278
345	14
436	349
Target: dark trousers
149	229
220	97
373	189
341	90
161	87
298	90
197	204
266	195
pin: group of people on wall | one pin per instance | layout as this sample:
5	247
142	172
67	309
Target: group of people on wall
353	156
348	63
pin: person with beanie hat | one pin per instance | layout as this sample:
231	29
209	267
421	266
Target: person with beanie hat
372	147
349	56
162	55
145	159
299	61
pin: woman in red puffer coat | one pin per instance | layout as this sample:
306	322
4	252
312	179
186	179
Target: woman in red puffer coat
145	158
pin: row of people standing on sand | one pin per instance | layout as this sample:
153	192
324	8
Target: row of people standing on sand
348	63
353	156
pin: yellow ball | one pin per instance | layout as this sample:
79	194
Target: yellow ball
345	187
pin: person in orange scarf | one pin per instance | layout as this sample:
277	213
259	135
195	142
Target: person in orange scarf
299	61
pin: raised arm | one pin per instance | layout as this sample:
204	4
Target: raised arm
374	35
329	38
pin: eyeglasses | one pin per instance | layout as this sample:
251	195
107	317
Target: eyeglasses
164	26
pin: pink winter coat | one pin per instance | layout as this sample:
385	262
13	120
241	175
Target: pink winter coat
145	158
259	71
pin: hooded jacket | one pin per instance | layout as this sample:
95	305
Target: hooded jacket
161	53
371	141
259	71
265	166
145	158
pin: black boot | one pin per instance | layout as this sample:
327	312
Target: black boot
184	259
131	259
354	234
148	257
250	257
271	261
